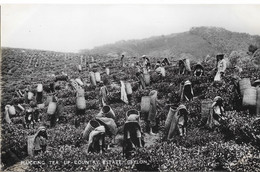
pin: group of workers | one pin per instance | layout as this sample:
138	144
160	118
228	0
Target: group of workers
177	122
104	123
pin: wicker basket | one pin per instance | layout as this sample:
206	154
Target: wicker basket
258	101
147	79
145	104
52	108
168	120
244	84
81	103
92	78
92	124
128	88
249	97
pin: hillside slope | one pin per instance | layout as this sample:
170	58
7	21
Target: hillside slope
199	42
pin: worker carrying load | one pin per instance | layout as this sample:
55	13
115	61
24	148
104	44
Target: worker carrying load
238	70
63	77
165	62
106	117
122	60
103	94
32	115
58	113
184	66
176	122
124	97
199	70
160	70
146	62
96	141
38	142
49	88
221	67
7	114
39	94
151	113
140	77
132	133
158	64
187	91
216	114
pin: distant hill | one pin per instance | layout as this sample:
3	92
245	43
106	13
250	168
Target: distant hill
198	43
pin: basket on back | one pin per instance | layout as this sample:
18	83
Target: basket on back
52	108
97	77
134	113
168	120
249	97
81	103
80	92
106	111
244	84
258	102
128	88
92	78
92	124
147	79
145	104
107	71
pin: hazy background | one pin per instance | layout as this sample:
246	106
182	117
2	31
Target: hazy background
69	28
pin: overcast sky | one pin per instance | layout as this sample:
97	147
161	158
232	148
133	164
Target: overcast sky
69	28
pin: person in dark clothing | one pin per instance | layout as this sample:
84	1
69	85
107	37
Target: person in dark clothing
39	98
122	57
187	92
217	113
165	62
52	90
199	70
181	67
96	142
40	141
132	135
122	60
28	118
59	112
31	116
140	78
158	64
146	63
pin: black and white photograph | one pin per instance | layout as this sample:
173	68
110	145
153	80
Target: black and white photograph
130	87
